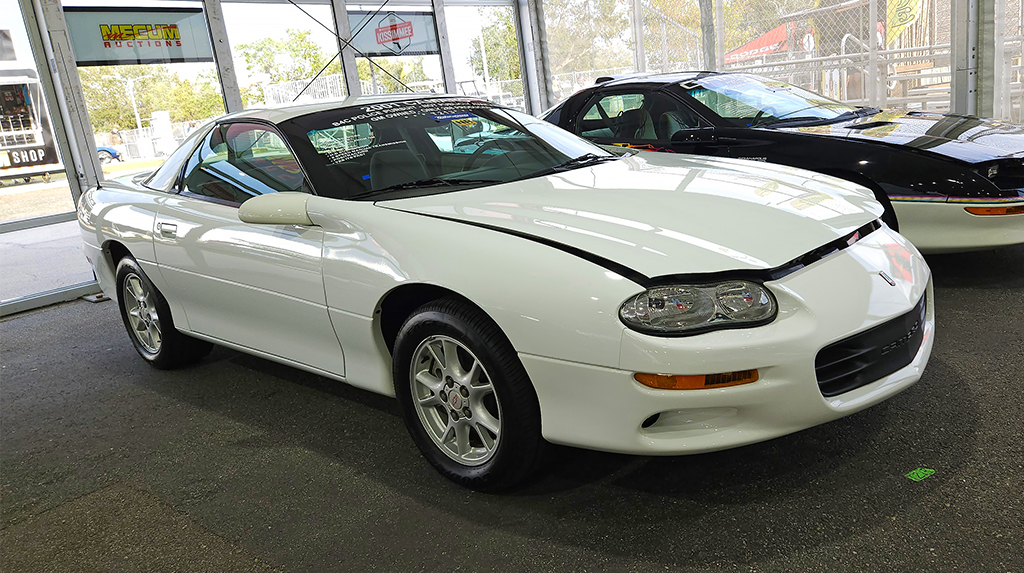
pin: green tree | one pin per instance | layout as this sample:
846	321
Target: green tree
405	69
296	57
587	34
501	46
156	88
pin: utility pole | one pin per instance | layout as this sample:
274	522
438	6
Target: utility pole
130	88
707	33
483	55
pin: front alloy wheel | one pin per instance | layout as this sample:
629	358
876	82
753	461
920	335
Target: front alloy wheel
466	398
455	400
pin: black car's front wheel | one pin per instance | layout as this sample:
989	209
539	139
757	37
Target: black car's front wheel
466	398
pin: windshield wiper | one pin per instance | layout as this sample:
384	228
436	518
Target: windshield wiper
806	119
585	160
853	113
423	183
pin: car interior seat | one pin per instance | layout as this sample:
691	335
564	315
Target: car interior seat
395	166
635	124
672	121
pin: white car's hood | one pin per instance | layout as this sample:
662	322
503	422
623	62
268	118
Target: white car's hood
664	214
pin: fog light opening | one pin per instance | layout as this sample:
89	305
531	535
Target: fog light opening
650	421
696	382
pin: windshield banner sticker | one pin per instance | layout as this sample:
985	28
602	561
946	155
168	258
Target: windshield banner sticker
433	108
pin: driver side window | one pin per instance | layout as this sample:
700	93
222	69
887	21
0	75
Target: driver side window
238	161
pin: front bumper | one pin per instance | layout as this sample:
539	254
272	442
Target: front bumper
606	409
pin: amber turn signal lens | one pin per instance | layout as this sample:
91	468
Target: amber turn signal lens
698	382
1015	210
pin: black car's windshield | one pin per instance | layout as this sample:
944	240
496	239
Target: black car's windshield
752	101
409	148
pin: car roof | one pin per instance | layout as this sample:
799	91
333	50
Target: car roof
277	114
661	78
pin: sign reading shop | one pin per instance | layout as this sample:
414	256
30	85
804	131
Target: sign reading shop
111	36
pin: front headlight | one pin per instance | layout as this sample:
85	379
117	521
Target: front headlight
679	310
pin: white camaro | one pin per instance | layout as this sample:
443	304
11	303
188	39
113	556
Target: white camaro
512	284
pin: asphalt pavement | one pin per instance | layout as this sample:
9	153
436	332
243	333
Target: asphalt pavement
240	464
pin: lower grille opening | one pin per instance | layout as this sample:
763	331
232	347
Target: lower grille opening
870	355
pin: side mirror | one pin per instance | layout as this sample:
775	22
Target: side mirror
288	208
690	135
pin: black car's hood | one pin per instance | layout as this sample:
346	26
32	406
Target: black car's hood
966	138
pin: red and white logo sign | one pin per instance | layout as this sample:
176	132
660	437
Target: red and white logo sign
394	33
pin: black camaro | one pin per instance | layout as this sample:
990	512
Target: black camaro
948	182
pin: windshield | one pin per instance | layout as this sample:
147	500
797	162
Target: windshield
752	101
411	148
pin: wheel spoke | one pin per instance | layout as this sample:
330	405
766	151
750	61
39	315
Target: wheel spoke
154	334
484	419
427	379
485	436
429	401
451	358
473	375
135	287
449	432
462	439
434	355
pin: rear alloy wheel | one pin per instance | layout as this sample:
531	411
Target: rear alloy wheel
466	398
147	318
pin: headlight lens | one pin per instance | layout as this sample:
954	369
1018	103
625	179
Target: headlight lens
692	309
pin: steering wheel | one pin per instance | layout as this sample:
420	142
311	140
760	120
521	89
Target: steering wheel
766	109
479	152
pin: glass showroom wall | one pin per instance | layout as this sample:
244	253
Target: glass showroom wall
411	64
587	39
40	245
485	52
278	48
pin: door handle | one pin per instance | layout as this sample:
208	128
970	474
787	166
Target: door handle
167	229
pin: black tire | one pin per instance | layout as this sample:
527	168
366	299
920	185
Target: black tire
105	157
172	349
519	451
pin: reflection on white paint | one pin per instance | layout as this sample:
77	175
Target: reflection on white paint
272	243
708	245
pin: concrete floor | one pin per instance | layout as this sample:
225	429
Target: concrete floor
240	464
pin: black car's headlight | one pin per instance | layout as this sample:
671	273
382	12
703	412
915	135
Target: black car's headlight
679	310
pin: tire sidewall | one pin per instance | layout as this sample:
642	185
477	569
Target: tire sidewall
514	435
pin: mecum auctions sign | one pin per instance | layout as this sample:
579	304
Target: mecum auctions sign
115	36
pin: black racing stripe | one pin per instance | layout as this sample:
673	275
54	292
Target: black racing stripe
622	270
775	273
762	275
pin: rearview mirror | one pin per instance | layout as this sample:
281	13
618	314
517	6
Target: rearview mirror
287	208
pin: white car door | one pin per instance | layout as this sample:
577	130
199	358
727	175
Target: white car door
258	286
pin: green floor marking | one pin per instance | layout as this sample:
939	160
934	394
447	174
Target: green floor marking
920	473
